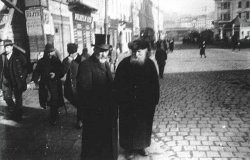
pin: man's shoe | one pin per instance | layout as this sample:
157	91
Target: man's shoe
142	152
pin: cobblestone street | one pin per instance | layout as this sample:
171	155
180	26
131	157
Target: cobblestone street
203	114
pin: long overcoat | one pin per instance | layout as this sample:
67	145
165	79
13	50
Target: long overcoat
46	84
18	71
137	91
71	69
94	87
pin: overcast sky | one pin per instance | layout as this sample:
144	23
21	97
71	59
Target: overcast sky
187	6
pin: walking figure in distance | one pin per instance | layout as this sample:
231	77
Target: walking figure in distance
202	47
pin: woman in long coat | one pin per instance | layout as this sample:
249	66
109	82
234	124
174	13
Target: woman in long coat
50	71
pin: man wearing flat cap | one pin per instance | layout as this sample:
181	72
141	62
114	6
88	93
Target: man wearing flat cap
13	74
137	94
94	88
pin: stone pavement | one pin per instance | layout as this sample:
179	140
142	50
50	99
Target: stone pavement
203	114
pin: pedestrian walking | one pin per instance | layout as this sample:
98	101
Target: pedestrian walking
85	55
13	74
94	87
137	90
171	45
161	57
112	58
202	47
49	70
71	64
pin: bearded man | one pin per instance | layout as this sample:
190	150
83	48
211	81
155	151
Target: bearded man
137	90
94	88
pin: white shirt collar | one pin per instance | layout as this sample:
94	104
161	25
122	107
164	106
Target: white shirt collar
9	55
75	56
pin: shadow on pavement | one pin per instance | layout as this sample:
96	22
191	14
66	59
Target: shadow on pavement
34	138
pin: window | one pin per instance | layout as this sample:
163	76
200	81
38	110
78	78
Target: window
239	4
226	17
225	5
247	15
239	15
247	4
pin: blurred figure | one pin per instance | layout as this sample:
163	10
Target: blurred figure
235	42
94	87
13	74
137	90
161	57
112	58
85	55
202	47
71	64
171	45
49	70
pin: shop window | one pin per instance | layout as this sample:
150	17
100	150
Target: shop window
239	4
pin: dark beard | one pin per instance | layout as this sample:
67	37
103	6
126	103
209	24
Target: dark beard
137	61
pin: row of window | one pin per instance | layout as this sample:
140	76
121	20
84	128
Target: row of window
246	13
226	16
240	5
226	5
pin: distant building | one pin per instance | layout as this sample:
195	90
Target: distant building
232	18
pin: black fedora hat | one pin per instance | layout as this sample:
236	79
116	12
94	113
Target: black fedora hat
49	48
7	43
100	42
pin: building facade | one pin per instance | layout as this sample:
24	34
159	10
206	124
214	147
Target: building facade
232	18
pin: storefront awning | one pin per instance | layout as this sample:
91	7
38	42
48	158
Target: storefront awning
85	4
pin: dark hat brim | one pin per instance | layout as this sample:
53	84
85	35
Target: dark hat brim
103	47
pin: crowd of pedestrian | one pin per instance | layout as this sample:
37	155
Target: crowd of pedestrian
131	92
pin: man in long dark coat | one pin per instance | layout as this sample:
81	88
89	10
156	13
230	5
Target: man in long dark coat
71	64
137	90
202	47
94	86
49	70
161	57
13	74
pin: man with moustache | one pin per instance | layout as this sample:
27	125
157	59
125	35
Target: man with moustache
137	90
13	74
94	88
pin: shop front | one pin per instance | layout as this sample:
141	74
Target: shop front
83	31
83	23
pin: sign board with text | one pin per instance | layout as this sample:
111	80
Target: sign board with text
34	21
83	18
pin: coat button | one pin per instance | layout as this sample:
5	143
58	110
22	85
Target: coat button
135	86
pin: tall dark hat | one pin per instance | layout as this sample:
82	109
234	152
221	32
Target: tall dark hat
100	40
